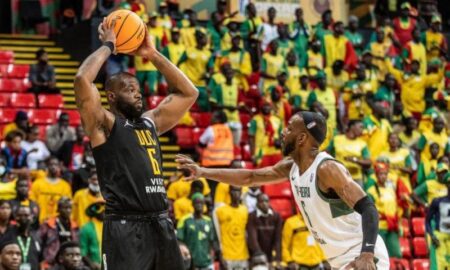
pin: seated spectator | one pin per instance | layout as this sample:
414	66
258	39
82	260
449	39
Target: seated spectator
439	231
437	135
6	229
60	137
15	156
81	175
197	232
233	218
280	103
314	61
83	198
324	95
337	76
377	129
47	191
434	39
299	96
7	182
75	160
27	239
182	188
20	123
69	257
91	235
264	234
10	255
183	206
42	75
265	131
410	135
35	148
22	199
137	7
217	142
433	188
299	249
56	231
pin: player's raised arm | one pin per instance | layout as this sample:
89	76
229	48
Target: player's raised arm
96	120
340	181
238	177
175	105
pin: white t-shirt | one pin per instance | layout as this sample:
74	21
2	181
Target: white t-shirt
33	158
270	32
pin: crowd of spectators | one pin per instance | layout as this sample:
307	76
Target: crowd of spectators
385	97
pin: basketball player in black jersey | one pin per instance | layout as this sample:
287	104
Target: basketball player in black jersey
137	234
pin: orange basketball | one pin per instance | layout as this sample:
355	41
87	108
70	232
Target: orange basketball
129	29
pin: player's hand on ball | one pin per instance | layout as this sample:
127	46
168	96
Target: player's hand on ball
147	47
364	262
185	162
106	32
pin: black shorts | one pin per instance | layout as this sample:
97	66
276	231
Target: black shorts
140	242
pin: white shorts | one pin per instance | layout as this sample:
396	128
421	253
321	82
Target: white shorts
381	255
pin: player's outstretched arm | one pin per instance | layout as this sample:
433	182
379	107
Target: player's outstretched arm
96	120
336	177
237	177
174	106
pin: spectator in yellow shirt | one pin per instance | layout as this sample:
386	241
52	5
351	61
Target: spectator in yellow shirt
437	135
183	206
47	191
410	136
337	76
272	63
85	197
175	49
187	32
377	129
298	247
231	221
20	123
181	188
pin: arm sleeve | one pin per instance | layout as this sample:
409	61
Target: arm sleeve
370	220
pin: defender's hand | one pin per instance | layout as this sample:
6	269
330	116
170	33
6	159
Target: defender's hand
185	162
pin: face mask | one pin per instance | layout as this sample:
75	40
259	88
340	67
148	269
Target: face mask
187	263
2	170
94	188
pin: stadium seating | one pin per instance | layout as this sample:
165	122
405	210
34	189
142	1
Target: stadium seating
418	225
202	120
421	264
196	134
283	206
405	227
154	101
184	137
7	115
4	99
6	57
245	119
42	116
13	85
74	117
405	247
18	71
399	264
23	100
50	101
42	132
281	190
420	247
245	152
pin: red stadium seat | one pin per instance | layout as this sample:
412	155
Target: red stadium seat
248	165
421	264
12	85
184	137
418	226
18	71
399	264
23	100
42	132
3	70
283	206
196	134
74	117
42	117
202	120
50	101
7	115
281	190
405	247
405	227
420	247
245	152
4	99
154	101
6	57
245	119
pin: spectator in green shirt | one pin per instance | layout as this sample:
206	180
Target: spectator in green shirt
91	235
197	232
426	192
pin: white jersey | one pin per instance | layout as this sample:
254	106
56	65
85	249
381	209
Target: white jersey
334	225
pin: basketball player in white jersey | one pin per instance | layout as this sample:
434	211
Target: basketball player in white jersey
339	215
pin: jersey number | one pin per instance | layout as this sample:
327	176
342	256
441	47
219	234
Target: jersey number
153	161
306	213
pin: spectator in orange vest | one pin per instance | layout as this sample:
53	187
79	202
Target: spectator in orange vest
217	142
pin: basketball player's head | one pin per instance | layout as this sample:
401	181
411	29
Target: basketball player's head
305	131
124	95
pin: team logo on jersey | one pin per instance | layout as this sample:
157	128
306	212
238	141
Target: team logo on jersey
303	192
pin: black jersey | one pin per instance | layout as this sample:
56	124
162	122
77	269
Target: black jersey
129	168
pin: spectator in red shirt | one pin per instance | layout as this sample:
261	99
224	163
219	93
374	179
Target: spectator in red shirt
404	25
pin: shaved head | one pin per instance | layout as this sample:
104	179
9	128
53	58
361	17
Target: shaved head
124	95
118	81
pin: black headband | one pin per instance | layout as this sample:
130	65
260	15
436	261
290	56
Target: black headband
312	126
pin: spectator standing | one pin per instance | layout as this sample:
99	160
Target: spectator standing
75	159
217	141
352	151
27	239
300	33
184	206
60	137
222	192
42	75
20	123
197	232
324	27
434	40
174	50
300	96
91	235
324	95
433	188
299	249
337	77
56	231
272	63
81	176
265	131
437	135
410	135
240	61
338	47
440	231
280	103
353	35
285	44
428	165
69	257
415	50
315	59
404	24
230	221
22	199
269	29
380	47
377	129
251	31
85	197
181	188
10	255
47	191
264	234
36	149
15	156
188	33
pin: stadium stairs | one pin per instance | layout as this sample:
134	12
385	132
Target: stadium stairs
17	52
